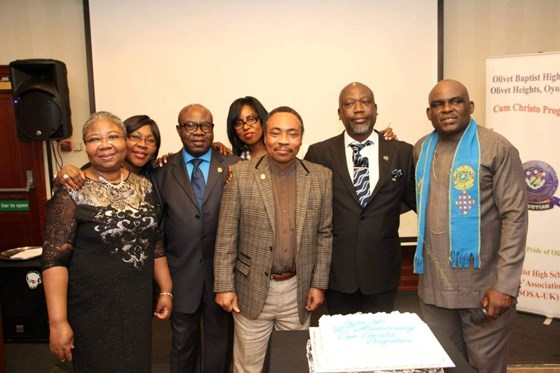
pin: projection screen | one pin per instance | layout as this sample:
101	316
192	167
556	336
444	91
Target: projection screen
155	57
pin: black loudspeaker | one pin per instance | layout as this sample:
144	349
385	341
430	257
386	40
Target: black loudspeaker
22	298
41	99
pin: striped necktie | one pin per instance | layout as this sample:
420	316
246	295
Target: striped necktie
361	172
197	182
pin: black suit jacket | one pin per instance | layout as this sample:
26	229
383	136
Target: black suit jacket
190	235
366	246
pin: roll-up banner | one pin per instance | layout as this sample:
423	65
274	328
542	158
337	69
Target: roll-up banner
523	104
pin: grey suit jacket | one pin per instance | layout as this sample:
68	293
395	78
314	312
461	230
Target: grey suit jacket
245	238
189	233
366	245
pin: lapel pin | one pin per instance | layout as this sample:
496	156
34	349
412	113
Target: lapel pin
220	170
263	176
385	158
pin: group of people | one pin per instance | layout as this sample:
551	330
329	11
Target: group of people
270	238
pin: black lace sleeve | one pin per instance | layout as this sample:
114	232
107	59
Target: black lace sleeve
159	247
60	230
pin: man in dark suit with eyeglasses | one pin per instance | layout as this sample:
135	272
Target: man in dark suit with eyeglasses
190	190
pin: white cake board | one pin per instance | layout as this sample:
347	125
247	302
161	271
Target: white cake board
445	361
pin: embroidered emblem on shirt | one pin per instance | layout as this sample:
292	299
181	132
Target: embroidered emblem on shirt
465	202
463	179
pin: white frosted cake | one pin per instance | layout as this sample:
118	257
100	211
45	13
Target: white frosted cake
375	342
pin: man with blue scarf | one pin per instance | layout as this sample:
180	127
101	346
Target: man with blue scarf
472	228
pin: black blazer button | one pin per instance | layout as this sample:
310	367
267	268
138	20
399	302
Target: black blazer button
266	274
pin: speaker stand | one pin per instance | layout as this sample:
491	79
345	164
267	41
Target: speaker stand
50	165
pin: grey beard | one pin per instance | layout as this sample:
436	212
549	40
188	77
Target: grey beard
360	128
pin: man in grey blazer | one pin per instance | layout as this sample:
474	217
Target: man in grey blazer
366	257
273	248
190	231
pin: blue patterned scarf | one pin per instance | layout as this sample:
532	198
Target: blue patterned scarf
464	203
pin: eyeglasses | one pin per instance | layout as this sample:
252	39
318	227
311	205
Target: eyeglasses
250	120
97	140
137	138
193	127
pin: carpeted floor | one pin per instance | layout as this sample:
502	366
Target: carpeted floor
535	347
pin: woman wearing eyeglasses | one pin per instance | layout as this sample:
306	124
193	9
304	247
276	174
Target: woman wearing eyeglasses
102	250
244	127
143	141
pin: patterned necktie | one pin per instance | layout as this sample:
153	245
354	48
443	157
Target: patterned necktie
361	172
197	182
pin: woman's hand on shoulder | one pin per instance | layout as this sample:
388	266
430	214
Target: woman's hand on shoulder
224	150
162	161
70	178
388	134
229	174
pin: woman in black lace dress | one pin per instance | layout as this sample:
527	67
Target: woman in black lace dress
102	249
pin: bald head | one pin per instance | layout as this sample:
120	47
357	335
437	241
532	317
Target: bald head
352	86
194	108
447	84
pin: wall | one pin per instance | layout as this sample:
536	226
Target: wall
473	30
478	29
52	29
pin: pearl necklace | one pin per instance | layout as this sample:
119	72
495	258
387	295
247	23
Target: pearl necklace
107	182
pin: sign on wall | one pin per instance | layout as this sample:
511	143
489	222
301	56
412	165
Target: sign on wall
14	205
523	104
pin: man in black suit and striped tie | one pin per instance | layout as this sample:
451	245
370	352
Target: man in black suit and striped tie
372	178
